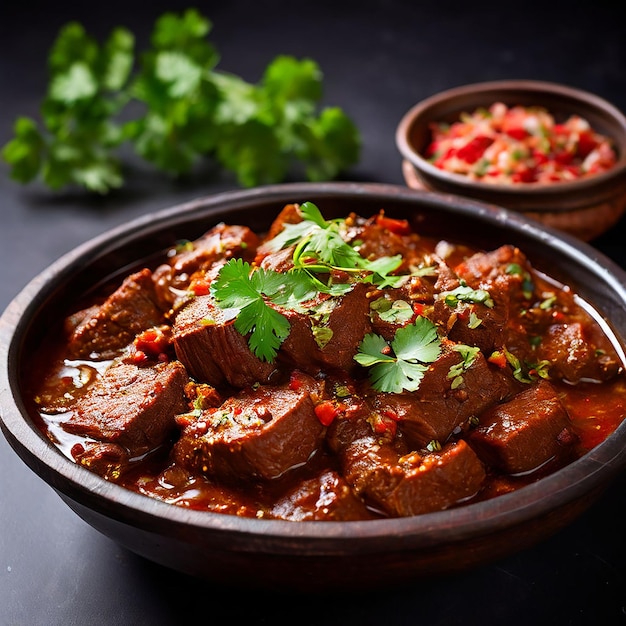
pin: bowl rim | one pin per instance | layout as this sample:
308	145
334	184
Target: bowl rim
70	480
423	107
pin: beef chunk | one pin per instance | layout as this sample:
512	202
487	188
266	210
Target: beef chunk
105	459
437	480
381	236
394	478
324	497
213	350
220	242
419	482
203	256
525	432
574	356
328	334
503	272
103	331
473	323
437	408
259	434
132	406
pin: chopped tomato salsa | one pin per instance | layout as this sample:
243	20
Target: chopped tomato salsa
519	144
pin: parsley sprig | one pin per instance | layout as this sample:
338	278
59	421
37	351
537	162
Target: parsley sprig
400	365
248	292
187	110
319	249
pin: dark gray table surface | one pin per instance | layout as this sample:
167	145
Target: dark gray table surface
378	59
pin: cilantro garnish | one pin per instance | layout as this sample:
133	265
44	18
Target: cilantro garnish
468	356
320	248
400	365
394	312
515	269
248	292
184	110
527	372
464	293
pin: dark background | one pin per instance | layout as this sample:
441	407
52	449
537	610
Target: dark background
378	59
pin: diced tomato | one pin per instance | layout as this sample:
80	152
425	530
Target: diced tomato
152	342
498	358
396	226
524	175
200	287
517	133
473	150
295	382
526	145
384	425
326	412
586	143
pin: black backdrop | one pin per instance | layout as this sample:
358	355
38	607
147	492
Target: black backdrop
378	57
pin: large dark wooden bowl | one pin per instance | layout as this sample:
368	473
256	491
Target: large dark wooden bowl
309	555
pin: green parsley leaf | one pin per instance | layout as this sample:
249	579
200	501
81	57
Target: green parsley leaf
400	365
187	111
464	293
468	355
320	248
394	312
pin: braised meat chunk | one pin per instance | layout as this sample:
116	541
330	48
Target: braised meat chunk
574	355
132	406
104	330
326	333
443	403
258	434
324	497
522	434
212	350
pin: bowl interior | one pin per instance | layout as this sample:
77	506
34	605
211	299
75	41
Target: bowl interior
175	537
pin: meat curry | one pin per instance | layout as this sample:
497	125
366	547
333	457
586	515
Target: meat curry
329	370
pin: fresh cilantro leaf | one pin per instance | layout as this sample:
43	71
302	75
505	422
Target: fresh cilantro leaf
468	356
79	134
527	372
417	341
400	365
397	376
25	151
320	248
515	269
187	111
394	312
464	293
249	292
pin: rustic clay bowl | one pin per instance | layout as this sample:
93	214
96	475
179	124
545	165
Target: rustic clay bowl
586	207
309	555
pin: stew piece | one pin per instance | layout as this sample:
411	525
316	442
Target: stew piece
329	370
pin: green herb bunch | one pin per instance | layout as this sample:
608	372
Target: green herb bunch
175	108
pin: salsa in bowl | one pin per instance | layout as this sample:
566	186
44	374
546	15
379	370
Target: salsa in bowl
550	151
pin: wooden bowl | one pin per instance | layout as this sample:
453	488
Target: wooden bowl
586	207
309	555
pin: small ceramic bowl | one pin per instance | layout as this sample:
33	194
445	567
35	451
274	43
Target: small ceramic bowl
308	555
585	207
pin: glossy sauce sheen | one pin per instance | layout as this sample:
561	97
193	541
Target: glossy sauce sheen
336	447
